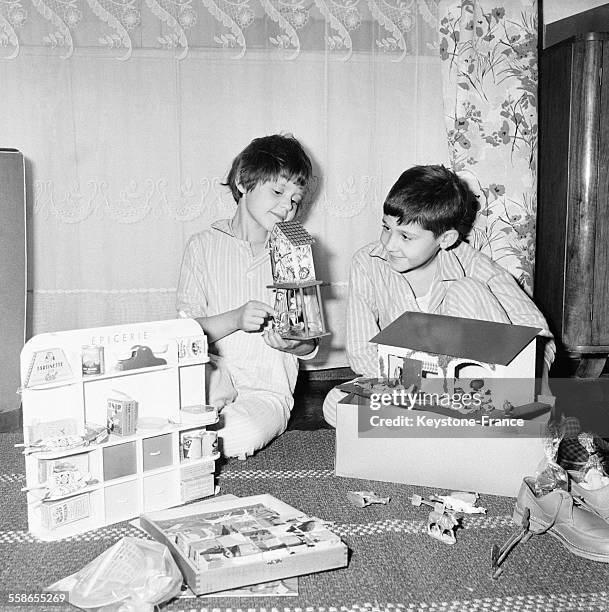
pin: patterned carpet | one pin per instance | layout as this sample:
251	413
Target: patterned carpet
394	565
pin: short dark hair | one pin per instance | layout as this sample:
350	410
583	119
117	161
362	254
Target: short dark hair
266	159
432	196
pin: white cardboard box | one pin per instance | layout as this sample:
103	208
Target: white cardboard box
489	463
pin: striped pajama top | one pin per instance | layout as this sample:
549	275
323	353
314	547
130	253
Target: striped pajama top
220	273
378	295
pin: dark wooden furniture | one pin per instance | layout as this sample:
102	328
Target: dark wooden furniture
572	261
12	281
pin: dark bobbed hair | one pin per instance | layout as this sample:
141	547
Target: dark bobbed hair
266	159
432	196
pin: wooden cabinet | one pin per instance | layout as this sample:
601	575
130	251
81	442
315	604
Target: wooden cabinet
572	261
12	281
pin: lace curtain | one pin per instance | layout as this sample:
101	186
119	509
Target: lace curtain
129	112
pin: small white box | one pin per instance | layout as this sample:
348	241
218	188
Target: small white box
194	488
62	512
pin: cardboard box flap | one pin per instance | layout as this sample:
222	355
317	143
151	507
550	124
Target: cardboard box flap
482	341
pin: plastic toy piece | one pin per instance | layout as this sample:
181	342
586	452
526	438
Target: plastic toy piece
93	435
63	484
498	555
365	498
441	522
441	525
460	501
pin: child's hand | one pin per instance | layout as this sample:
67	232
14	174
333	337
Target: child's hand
296	347
252	316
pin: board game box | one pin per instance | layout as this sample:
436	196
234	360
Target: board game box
250	540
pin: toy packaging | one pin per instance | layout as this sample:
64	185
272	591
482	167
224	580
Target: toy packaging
228	544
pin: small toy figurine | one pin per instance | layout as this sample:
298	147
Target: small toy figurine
365	498
93	435
298	298
295	314
441	522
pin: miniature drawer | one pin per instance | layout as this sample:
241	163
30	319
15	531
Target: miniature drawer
157	451
160	491
121	501
119	460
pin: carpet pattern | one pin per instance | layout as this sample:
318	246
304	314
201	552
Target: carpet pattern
394	565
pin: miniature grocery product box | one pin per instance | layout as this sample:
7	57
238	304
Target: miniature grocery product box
122	415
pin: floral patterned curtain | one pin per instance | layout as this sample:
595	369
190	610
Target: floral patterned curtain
489	57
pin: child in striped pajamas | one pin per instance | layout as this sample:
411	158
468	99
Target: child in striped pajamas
224	285
419	264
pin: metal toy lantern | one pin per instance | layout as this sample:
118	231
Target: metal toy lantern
297	292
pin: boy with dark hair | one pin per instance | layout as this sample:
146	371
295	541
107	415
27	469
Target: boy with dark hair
419	264
224	286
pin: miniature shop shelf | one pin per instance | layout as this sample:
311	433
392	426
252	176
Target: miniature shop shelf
87	378
126	475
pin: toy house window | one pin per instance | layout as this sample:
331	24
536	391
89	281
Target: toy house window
428	367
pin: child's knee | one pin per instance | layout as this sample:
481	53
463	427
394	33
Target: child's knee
218	383
243	431
244	442
330	404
